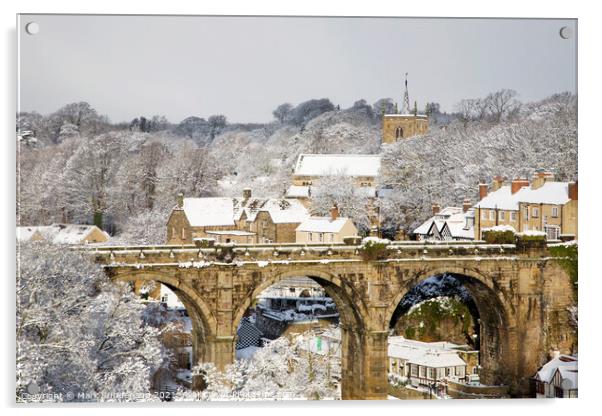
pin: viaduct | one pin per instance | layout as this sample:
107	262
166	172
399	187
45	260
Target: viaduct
521	293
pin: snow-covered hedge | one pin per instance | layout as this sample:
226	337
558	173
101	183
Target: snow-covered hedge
500	234
374	248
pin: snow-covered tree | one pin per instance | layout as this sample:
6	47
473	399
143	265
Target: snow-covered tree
341	190
284	369
88	175
79	336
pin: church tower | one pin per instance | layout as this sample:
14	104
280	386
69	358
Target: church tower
405	125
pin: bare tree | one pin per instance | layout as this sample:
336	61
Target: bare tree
501	103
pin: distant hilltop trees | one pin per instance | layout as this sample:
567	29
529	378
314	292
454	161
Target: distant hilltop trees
76	166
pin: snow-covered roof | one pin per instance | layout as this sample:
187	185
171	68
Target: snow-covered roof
323	224
555	193
297	191
282	211
566	362
26	233
204	212
60	233
406	115
435	354
455	220
230	232
337	164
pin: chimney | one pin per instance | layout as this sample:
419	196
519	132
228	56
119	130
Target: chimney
334	212
466	205
483	188
540	178
498	182
436	208
573	191
246	193
517	184
180	200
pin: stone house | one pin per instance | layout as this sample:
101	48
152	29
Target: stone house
246	220
331	229
540	205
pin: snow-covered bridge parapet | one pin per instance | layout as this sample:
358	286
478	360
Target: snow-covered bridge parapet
240	255
521	293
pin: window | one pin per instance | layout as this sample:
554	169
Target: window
535	212
526	213
173	232
491	214
484	214
183	234
309	237
331	237
552	232
513	216
421	371
321	237
540	387
503	215
414	370
398	132
432	373
554	212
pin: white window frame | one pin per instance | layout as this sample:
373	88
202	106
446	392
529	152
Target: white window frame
484	214
513	216
555	234
554	212
492	214
535	212
503	215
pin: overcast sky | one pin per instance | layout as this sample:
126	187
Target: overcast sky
244	67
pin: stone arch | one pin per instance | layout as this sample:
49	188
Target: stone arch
354	322
350	306
204	323
495	313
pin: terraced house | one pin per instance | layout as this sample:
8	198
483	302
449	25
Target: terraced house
540	205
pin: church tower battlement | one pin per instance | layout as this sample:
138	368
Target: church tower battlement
406	124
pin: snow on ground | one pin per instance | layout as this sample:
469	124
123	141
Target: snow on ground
246	353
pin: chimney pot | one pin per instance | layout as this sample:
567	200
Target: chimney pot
466	205
246	193
483	189
573	191
334	212
517	184
498	182
436	208
180	199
